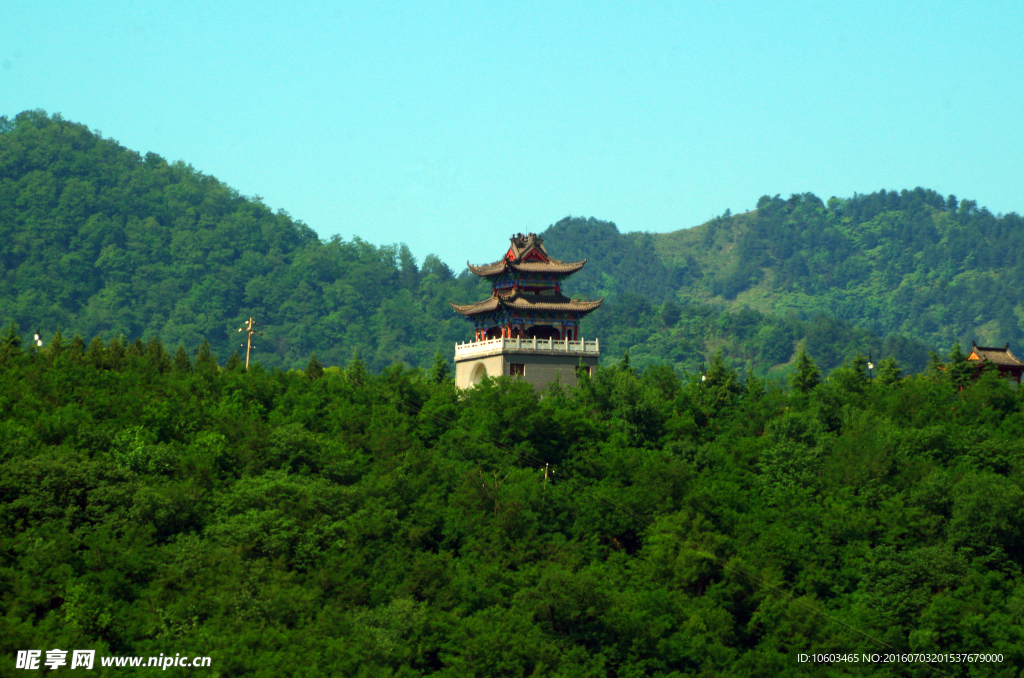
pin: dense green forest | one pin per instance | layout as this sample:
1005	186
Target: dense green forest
341	509
906	266
99	240
340	522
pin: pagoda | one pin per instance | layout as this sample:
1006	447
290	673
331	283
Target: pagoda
527	327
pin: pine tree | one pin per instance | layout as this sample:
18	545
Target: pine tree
936	368
440	372
356	370
182	364
753	387
96	355
117	354
807	375
889	372
314	370
205	360
138	349
720	375
859	365
77	348
234	363
624	363
157	355
56	346
10	346
958	367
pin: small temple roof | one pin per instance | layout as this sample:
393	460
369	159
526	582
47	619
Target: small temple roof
527	254
998	356
527	302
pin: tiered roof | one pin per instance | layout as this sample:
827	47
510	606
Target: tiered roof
999	356
499	267
527	255
520	301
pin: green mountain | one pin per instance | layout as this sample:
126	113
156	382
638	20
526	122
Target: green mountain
912	267
98	240
380	522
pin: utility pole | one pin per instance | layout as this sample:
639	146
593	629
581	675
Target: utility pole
249	331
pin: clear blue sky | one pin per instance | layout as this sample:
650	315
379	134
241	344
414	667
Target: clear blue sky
449	126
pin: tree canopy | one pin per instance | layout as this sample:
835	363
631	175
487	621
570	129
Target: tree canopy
911	267
677	513
645	523
99	240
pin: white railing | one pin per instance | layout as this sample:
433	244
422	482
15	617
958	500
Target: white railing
470	348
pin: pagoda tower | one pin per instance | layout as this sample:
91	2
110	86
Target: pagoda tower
527	327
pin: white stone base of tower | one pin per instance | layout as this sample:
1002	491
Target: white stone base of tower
536	361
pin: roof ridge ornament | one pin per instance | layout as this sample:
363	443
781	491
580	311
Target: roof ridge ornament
527	254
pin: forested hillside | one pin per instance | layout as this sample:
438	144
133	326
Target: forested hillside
369	519
97	240
904	265
341	523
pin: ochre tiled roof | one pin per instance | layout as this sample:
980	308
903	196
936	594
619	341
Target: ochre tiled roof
527	254
527	302
998	356
526	267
